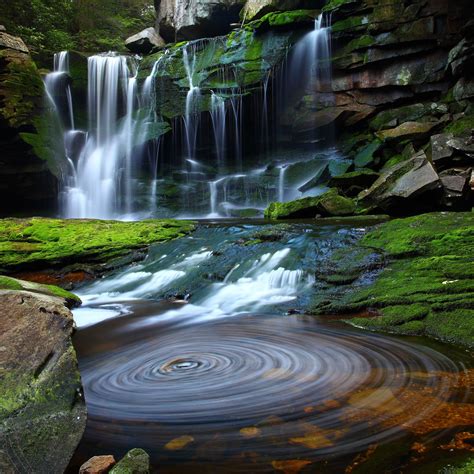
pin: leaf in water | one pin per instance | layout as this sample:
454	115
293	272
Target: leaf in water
250	432
179	443
313	439
292	466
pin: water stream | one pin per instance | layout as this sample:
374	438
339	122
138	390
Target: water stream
198	354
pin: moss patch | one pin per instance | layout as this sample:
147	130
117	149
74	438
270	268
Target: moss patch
427	284
42	243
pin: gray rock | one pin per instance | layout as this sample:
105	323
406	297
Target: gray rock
192	19
456	188
12	42
401	186
439	149
42	414
145	41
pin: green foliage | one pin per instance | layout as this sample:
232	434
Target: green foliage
49	26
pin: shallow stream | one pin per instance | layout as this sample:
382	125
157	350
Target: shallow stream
202	356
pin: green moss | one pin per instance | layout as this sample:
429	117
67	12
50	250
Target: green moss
7	283
278	19
462	126
136	461
335	4
428	278
328	204
39	243
365	156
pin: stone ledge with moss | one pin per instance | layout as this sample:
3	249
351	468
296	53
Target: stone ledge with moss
90	246
41	401
415	274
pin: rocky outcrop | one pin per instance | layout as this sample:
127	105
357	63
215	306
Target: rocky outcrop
42	411
193	19
145	41
255	9
28	166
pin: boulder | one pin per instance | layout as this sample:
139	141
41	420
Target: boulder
407	131
353	183
439	150
42	411
327	205
136	461
254	9
457	192
145	41
196	18
409	186
98	465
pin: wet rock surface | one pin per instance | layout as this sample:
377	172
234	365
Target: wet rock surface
41	402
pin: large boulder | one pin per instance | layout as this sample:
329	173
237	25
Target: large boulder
196	18
410	186
257	8
327	205
42	410
145	41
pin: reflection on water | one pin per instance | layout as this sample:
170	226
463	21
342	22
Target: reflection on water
258	393
205	372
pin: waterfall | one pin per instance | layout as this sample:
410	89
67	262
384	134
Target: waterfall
218	118
103	170
281	183
191	118
58	90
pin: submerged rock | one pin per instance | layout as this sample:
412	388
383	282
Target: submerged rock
136	461
98	465
41	403
145	41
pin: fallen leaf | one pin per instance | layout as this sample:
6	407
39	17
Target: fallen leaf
250	432
179	443
291	466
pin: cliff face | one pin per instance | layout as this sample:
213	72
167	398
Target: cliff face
27	160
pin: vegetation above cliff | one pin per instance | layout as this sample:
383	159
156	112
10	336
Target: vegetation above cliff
53	25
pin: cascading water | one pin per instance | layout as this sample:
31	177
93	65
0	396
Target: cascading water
104	161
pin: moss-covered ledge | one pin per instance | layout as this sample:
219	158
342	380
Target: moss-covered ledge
422	285
91	246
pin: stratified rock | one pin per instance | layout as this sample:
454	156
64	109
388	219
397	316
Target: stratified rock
407	131
29	151
145	41
196	18
409	186
42	411
136	461
98	465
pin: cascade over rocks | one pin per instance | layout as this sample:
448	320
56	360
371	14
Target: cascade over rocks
41	402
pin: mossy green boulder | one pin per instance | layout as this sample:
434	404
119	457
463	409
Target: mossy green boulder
39	243
136	461
426	286
327	205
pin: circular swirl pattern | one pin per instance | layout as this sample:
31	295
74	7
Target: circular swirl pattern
314	390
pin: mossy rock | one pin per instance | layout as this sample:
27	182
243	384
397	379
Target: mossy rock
328	204
7	283
427	284
352	183
44	243
136	461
